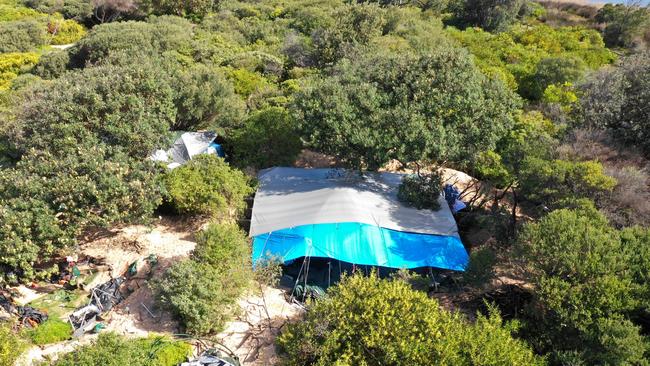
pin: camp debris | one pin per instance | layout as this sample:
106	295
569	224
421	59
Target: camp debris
31	317
311	292
452	196
212	357
186	146
102	299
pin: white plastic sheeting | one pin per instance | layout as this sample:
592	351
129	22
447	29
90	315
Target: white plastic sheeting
186	146
290	197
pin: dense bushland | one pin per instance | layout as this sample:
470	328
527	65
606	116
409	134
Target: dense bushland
368	321
530	98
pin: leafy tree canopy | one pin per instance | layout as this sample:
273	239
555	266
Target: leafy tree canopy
407	107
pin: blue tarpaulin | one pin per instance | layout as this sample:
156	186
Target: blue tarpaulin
363	244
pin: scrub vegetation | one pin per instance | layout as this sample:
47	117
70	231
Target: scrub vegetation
545	103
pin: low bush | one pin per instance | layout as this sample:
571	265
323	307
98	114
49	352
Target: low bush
421	191
552	182
480	269
79	10
158	35
52	64
207	185
247	82
11	345
111	349
205	99
21	36
368	321
269	138
203	290
50	331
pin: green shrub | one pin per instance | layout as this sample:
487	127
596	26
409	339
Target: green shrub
515	55
268	138
207	185
190	9
617	99
480	269
205	99
88	167
203	291
11	345
50	331
490	167
421	191
79	10
624	23
556	181
352	113
156	36
368	321
129	107
491	15
52	64
21	36
46	201
111	349
584	287
247	82
552	71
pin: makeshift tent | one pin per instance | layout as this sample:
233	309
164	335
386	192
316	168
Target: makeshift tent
338	214
186	146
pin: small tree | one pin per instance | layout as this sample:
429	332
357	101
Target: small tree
624	23
583	290
203	290
368	116
207	185
269	138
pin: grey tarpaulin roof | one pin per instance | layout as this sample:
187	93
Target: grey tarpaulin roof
289	197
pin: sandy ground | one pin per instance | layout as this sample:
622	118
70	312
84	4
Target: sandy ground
251	336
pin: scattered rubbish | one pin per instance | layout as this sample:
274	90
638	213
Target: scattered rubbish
102	299
303	292
212	357
31	317
147	309
133	269
7	304
152	259
99	327
452	195
108	294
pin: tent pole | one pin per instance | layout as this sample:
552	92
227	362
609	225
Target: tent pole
329	273
298	278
